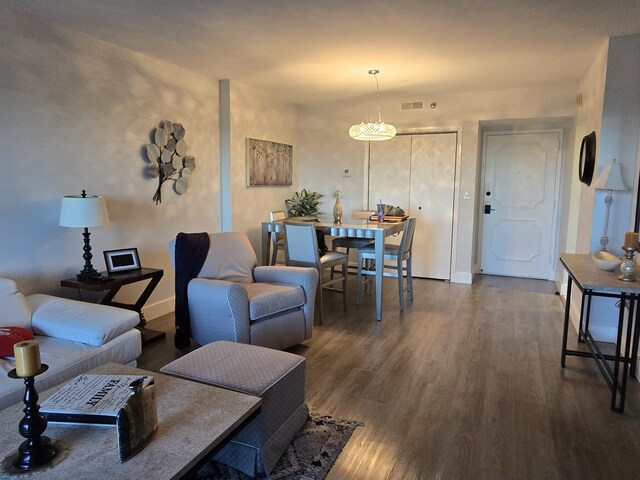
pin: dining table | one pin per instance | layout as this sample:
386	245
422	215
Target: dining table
367	229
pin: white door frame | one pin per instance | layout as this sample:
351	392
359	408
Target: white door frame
556	189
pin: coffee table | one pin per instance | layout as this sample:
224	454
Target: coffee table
193	420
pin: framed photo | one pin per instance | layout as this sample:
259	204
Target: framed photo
121	260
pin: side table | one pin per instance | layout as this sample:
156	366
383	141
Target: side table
112	284
594	282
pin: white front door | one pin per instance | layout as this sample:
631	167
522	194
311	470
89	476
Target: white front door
520	193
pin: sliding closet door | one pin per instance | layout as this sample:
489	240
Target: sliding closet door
417	173
389	172
433	170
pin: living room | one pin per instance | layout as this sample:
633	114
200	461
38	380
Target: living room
78	108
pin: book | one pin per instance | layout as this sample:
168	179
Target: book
91	399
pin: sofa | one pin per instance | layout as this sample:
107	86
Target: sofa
73	336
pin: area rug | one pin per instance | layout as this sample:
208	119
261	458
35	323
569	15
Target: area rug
310	456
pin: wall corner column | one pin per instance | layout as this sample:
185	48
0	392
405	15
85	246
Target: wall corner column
224	89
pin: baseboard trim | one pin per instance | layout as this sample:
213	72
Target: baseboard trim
462	277
563	289
158	309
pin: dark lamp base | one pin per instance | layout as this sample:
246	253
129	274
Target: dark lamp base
9	467
88	275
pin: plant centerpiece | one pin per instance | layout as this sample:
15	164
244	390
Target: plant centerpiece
304	204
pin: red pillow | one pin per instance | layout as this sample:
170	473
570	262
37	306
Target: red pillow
9	336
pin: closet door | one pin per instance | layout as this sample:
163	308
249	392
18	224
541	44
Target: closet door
433	170
417	173
390	174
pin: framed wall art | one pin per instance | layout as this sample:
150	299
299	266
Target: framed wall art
268	163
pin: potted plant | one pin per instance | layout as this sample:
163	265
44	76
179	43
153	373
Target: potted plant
304	204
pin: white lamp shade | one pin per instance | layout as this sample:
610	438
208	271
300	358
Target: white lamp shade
78	211
611	178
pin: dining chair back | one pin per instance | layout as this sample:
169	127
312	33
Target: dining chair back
301	250
399	254
277	238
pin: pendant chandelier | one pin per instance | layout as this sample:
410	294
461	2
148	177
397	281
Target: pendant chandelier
373	131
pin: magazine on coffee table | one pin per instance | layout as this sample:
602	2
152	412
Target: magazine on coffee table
91	399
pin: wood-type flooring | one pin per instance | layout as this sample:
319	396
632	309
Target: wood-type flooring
465	384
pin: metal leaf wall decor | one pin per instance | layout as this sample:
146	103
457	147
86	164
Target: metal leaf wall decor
168	159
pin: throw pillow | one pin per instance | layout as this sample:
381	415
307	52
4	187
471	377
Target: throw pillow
9	336
230	257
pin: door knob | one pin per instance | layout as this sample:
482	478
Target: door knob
419	208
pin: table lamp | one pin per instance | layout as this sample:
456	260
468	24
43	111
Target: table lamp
609	179
84	211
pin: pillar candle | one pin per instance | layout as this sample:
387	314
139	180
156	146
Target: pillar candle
27	355
631	240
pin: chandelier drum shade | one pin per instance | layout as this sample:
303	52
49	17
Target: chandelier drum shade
373	131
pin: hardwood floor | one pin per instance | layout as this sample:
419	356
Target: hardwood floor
465	384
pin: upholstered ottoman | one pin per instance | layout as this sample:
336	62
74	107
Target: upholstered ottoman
276	377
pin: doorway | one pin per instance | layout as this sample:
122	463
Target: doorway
520	192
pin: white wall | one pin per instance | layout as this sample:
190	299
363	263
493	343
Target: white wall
619	134
615	86
256	115
74	113
327	149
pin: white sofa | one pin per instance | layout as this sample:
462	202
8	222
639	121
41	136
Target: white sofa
74	337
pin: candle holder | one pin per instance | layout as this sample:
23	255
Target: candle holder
36	451
627	268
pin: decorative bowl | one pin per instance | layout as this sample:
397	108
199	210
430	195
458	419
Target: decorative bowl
606	260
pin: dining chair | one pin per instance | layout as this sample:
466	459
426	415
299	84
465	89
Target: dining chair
354	243
400	254
301	249
277	238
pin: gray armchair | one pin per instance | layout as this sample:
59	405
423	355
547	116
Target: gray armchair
235	300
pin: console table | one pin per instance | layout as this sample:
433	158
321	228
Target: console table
194	420
595	282
111	283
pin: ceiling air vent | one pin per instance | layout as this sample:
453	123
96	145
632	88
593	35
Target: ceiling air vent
412	106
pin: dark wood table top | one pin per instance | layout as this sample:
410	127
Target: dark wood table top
113	280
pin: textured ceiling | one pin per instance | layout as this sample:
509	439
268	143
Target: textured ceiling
313	52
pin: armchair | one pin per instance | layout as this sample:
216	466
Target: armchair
233	299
